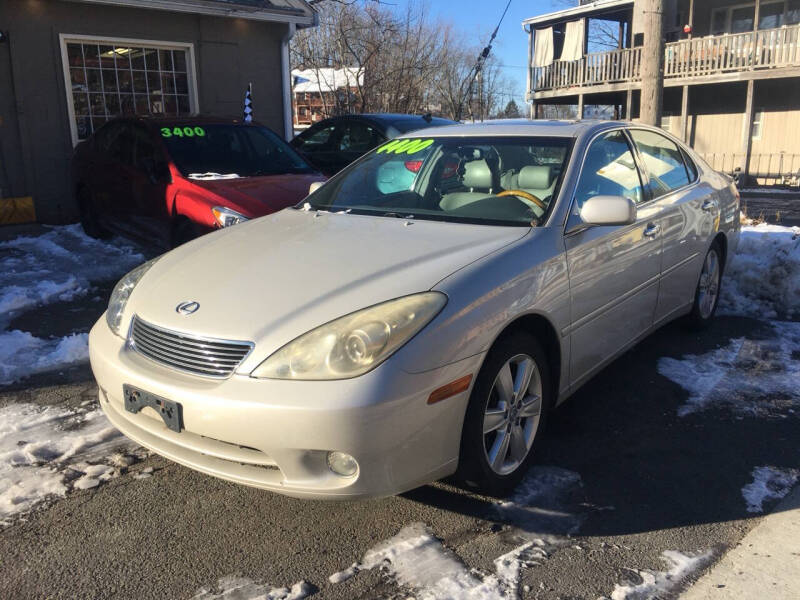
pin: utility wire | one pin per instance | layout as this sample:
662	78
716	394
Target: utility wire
475	71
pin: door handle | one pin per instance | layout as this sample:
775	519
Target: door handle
652	230
709	205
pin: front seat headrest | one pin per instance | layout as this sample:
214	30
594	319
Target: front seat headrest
477	174
535	178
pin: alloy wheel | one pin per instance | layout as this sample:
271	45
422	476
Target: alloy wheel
513	413
709	284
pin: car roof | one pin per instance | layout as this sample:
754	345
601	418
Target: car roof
387	119
189	119
521	127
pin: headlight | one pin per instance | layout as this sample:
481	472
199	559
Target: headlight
122	291
225	217
354	344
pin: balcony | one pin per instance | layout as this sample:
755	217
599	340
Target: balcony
715	57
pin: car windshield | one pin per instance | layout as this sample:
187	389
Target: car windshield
212	151
498	181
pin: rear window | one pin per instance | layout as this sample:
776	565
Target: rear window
206	151
406	125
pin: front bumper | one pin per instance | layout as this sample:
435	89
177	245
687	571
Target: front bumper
276	434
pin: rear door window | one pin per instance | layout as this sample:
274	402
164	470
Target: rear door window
663	161
315	138
358	137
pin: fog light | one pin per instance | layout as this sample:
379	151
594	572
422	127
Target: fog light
342	464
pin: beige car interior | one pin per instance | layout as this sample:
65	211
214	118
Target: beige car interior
481	184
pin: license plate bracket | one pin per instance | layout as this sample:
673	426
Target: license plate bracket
171	412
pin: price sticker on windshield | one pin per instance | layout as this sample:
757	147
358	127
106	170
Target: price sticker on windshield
169	132
404	146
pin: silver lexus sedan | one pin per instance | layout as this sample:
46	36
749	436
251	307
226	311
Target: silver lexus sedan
418	315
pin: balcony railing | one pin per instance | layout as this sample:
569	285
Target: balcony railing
698	57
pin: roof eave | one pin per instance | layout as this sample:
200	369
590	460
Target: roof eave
585	10
307	18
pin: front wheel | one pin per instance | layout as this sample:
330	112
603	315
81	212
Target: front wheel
505	415
706	296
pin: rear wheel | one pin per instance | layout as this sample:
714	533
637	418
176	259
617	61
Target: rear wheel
706	296
89	221
505	415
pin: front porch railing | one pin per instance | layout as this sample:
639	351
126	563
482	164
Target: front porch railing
698	57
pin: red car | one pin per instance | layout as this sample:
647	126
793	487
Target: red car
167	181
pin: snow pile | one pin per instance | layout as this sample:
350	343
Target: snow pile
58	265
241	588
54	267
763	279
657	584
23	354
768	483
749	377
47	451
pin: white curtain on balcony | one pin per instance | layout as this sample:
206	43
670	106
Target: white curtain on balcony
573	41
543	47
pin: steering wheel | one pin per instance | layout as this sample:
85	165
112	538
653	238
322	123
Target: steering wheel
526	195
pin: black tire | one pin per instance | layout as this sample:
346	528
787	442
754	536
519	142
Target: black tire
184	230
89	222
474	468
701	316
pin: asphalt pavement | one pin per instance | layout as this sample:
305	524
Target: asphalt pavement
650	481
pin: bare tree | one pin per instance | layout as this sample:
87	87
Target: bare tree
405	61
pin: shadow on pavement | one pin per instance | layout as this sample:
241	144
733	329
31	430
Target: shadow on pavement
644	468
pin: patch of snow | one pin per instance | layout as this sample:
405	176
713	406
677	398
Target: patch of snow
548	504
546	507
56	266
769	483
213	176
45	452
242	588
345	574
22	354
749	377
655	584
417	559
763	278
509	566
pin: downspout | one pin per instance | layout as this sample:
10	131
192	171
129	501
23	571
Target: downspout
288	128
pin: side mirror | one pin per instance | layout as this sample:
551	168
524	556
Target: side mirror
608	210
315	186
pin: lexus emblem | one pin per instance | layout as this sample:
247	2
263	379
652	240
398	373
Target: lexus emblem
187	308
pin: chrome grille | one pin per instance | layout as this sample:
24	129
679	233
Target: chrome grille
185	352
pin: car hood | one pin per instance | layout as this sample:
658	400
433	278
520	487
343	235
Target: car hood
258	196
272	279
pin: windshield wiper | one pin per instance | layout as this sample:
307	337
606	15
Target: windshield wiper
397	215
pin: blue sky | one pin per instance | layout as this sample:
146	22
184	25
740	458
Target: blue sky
479	17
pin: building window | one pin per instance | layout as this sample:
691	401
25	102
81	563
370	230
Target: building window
740	18
758	121
107	78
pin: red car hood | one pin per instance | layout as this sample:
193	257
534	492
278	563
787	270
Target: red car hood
258	196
